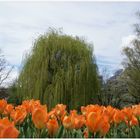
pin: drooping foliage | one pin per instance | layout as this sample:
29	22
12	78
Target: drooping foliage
59	69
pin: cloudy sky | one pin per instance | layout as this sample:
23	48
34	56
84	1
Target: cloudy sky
108	25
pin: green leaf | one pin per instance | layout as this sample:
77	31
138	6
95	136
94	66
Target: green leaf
44	133
60	132
137	131
90	135
79	133
97	135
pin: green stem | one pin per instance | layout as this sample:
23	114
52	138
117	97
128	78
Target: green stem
39	133
1	116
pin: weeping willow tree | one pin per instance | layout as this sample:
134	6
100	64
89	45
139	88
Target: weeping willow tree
59	69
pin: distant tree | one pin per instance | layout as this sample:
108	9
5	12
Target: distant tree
137	25
60	69
103	94
5	69
113	89
132	64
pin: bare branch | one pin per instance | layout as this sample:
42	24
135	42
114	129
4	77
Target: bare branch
5	70
6	76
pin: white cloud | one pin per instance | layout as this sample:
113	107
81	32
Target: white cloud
128	40
102	23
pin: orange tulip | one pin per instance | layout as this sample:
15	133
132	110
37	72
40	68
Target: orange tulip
27	105
77	120
20	107
104	125
3	104
18	115
134	121
73	117
136	110
67	123
83	110
34	104
5	122
52	126
52	114
118	116
60	111
128	113
92	122
7	129
97	122
8	109
39	117
110	111
10	132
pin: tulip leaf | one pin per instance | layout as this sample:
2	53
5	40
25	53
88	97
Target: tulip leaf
44	133
90	135
137	131
60	132
79	134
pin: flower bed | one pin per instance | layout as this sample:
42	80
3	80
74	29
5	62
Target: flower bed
32	120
